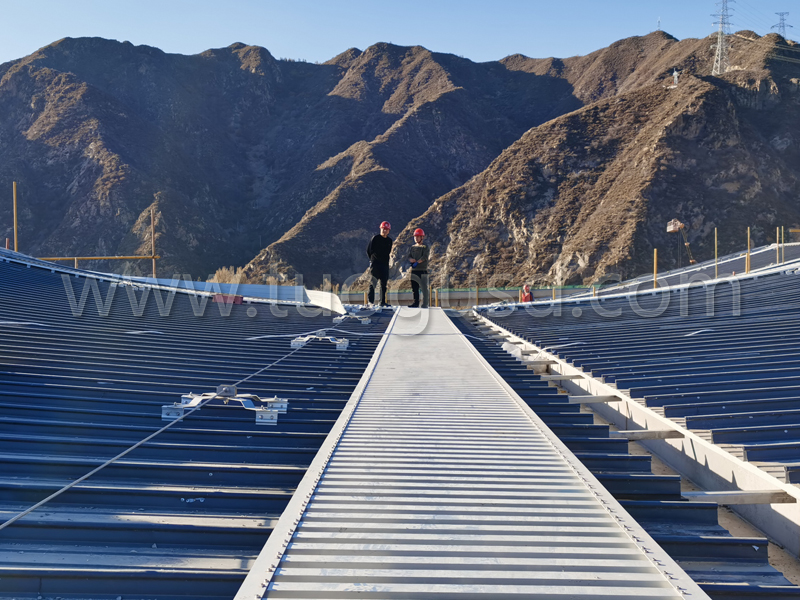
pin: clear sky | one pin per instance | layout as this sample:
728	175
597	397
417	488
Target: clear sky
316	30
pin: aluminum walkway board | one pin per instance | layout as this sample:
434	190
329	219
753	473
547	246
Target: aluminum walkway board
443	484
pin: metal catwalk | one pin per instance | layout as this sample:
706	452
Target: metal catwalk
438	482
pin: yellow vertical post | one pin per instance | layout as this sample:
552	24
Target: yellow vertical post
783	244
365	298
655	268
716	255
76	262
519	295
153	239
594	290
16	247
554	293
777	245
747	259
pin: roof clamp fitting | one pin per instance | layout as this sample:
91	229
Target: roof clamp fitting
171	412
341	343
363	320
267	411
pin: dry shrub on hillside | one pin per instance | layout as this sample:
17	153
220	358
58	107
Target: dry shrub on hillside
229	275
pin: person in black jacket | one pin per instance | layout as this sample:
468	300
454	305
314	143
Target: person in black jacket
378	250
418	256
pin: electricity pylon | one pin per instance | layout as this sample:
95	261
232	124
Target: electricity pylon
781	27
721	63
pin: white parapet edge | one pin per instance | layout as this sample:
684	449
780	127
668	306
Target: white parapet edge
704	463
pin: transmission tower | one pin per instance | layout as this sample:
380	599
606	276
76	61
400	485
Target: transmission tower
781	27
721	64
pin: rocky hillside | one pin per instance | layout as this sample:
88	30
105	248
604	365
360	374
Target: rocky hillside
588	194
543	169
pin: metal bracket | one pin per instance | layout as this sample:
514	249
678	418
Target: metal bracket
266	413
170	412
342	318
300	341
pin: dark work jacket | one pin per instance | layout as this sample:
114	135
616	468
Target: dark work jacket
379	249
421	254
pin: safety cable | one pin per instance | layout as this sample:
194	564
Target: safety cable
41	503
280	335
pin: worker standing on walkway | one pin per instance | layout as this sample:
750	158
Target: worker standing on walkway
378	251
418	257
526	295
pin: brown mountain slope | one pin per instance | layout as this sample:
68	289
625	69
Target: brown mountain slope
448	141
590	193
239	152
463	118
232	147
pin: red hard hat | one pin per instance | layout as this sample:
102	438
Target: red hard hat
418	231
386	225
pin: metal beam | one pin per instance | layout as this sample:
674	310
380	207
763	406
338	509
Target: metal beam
646	434
593	399
742	497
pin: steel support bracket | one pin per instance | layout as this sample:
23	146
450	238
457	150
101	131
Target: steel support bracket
300	341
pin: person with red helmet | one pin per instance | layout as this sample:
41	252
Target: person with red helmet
526	295
378	251
418	257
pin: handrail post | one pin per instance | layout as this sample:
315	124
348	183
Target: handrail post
153	239
655	268
16	247
747	259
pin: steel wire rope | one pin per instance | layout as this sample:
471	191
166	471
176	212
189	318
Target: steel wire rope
756	15
751	15
773	53
110	461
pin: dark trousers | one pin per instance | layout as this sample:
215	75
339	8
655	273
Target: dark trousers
381	273
420	279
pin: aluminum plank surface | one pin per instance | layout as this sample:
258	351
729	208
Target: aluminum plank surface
438	482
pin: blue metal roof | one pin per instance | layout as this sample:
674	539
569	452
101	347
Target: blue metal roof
763	258
724	565
184	515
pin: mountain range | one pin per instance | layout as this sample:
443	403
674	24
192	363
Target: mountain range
551	171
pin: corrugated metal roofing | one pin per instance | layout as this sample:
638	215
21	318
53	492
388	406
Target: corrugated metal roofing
733	372
733	366
443	484
184	515
763	258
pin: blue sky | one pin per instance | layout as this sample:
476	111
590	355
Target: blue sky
316	30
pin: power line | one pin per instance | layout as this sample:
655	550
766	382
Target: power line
755	16
721	62
782	25
774	56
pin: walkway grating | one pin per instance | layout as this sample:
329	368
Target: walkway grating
444	484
